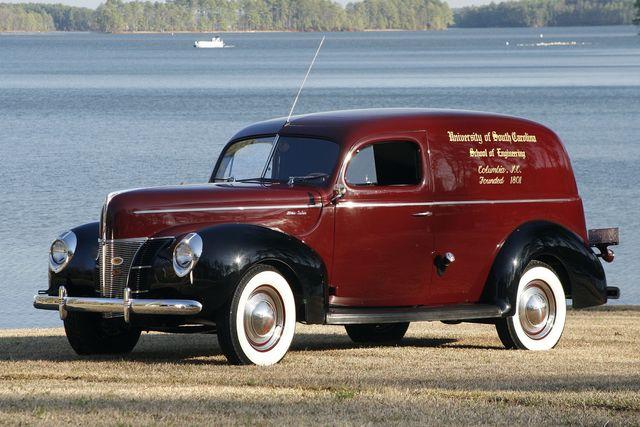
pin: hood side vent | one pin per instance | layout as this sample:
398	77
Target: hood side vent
142	268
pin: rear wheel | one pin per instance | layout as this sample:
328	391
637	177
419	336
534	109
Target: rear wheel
377	333
538	321
258	324
90	333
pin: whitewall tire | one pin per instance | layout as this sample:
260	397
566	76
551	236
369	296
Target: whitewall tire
540	312
258	324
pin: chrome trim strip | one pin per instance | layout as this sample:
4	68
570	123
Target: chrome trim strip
126	283
136	239
501	202
129	239
352	316
224	208
126	305
350	204
381	204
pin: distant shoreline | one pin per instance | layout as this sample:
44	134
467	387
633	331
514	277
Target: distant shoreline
138	16
302	32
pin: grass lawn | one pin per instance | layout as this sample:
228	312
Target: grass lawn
439	374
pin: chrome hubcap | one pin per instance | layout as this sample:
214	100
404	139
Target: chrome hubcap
537	309
264	318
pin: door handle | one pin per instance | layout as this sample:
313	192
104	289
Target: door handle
426	213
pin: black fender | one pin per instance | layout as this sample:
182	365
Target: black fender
229	250
80	275
579	269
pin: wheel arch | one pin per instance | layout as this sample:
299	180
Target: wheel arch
558	267
230	250
578	268
294	281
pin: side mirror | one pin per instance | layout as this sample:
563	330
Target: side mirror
338	193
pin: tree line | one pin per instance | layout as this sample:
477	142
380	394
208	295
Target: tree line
272	15
548	13
310	15
228	15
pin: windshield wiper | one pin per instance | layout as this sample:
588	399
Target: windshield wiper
262	179
310	177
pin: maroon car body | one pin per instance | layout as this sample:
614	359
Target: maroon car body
461	204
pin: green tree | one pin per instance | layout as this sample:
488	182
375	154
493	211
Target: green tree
109	17
16	17
400	14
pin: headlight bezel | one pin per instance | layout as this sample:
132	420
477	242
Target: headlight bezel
193	242
70	242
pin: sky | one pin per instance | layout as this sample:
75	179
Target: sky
94	3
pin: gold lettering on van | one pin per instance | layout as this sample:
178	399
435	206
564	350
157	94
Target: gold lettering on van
493	136
473	152
503	173
512	137
525	137
511	154
464	137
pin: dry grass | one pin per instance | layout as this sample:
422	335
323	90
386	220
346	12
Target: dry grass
439	375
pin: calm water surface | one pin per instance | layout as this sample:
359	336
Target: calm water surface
85	114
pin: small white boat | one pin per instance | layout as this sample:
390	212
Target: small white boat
215	42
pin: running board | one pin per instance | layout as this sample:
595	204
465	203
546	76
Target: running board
352	316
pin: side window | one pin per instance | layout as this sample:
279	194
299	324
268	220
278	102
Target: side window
385	163
362	168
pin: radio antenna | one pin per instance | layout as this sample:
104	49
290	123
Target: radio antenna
295	101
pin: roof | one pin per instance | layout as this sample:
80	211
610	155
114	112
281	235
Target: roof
350	124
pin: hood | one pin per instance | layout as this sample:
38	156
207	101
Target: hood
175	210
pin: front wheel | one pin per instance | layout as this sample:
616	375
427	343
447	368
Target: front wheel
541	310
89	333
377	333
258	324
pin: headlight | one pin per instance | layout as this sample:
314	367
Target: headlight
62	250
186	254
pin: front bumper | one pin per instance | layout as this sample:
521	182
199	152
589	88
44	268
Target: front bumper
124	306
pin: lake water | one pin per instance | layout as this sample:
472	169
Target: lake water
85	114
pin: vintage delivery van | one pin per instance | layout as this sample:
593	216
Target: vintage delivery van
370	219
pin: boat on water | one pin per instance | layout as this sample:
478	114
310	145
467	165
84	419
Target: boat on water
215	42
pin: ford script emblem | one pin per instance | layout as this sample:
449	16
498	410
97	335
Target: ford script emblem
116	260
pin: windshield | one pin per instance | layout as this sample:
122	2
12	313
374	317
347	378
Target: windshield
294	159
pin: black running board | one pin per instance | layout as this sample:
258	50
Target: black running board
352	316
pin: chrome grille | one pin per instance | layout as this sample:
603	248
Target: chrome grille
114	278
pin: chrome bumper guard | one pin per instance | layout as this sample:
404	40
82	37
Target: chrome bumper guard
125	306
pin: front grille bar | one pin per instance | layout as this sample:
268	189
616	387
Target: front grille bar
115	261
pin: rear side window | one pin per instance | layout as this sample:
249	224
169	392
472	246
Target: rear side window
385	163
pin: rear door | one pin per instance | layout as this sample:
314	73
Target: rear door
383	233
